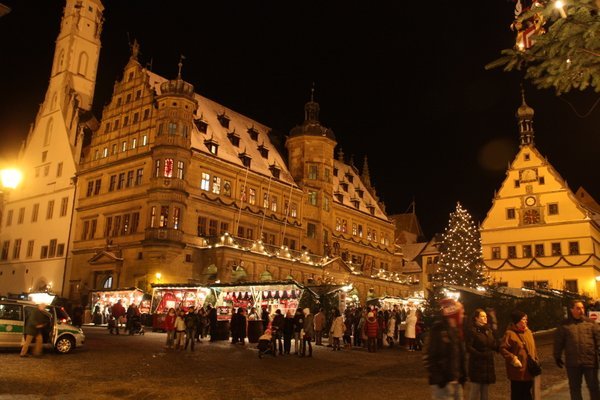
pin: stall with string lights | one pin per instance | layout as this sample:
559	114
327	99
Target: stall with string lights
272	295
177	296
101	300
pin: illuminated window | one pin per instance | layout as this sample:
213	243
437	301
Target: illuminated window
274	203
176	216
144	140
134	143
164	217
252	196
216	188
312	197
205	182
180	168
168	169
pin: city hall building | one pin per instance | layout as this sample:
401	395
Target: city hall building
172	187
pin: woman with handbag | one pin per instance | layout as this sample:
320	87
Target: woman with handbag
517	346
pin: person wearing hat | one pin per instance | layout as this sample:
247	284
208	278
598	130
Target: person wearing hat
444	352
516	344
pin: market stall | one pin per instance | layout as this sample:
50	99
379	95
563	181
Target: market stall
272	296
177	296
102	300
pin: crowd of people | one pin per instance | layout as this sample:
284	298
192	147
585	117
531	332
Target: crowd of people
457	352
359	327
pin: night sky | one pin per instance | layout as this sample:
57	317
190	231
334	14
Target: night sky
401	82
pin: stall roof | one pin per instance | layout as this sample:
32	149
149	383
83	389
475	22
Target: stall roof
179	285
117	290
262	283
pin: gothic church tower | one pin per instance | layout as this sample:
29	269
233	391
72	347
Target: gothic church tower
36	232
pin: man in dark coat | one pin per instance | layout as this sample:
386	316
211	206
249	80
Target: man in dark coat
444	357
212	322
35	324
578	337
277	330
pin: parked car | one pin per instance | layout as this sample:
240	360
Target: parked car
60	335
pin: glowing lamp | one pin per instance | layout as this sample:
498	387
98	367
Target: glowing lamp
10	178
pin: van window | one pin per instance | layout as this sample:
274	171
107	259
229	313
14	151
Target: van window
13	312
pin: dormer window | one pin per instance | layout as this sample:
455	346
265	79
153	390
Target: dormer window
264	152
253	134
234	138
275	171
350	177
359	192
355	202
212	146
201	125
371	208
339	196
335	172
246	159
344	186
223	120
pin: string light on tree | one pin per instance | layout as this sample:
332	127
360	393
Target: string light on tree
460	252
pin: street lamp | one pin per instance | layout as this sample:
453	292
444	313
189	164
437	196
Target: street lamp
10	178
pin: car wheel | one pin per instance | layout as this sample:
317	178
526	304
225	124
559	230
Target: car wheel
64	345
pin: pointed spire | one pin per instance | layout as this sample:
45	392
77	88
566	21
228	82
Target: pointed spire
525	121
366	176
340	155
311	109
180	65
351	160
135	50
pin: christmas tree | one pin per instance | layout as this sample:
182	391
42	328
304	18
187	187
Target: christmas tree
460	253
558	44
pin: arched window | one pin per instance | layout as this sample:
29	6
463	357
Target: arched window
108	282
48	134
83	63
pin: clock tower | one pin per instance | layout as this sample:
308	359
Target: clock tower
537	233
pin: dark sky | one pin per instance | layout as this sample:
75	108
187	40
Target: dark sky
399	81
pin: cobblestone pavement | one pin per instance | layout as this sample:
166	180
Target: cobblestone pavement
138	367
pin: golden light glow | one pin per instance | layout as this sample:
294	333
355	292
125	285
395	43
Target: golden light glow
11	178
158	275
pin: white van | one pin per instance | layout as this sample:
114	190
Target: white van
61	335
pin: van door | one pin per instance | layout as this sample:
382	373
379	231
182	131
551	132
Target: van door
53	326
11	324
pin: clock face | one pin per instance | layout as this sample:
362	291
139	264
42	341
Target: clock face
531	217
530	201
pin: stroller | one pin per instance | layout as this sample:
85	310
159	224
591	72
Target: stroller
136	326
266	345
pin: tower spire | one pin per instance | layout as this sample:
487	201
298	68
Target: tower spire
525	121
366	177
311	109
180	65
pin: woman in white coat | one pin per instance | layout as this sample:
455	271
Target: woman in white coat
411	325
337	329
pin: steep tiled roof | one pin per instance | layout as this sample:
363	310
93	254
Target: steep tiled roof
239	125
